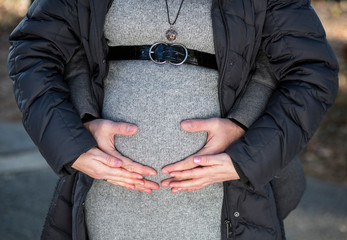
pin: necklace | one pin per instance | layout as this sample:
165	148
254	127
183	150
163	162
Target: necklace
171	34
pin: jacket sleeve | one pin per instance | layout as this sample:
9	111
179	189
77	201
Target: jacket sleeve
41	45
307	70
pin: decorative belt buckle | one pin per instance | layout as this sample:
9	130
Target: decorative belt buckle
152	49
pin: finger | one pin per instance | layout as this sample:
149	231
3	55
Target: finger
121	128
211	160
107	159
130	187
210	165
147	187
192	190
185	164
191	174
122	184
132	166
189	184
99	155
198	125
120	174
142	189
166	182
177	190
150	184
125	180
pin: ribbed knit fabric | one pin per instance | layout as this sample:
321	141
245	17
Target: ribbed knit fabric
251	104
157	98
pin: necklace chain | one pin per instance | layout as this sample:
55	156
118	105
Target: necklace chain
168	13
171	34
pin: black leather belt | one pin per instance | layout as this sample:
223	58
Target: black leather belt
161	53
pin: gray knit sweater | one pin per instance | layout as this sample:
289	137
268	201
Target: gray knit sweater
157	98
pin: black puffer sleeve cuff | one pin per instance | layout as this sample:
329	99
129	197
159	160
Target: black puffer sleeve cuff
243	177
87	118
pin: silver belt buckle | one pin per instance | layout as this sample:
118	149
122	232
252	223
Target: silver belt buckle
175	44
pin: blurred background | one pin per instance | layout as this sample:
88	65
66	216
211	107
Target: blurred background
27	184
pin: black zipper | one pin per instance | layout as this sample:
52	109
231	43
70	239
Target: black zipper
227	222
81	206
229	228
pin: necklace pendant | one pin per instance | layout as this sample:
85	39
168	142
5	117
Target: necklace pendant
171	34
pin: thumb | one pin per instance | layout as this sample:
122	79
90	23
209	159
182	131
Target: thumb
196	125
122	128
209	160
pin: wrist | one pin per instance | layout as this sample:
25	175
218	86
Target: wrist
92	125
239	124
88	118
69	169
235	130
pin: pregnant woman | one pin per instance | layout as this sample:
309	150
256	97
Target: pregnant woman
166	90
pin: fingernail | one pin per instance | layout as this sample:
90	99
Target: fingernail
131	128
118	162
197	160
172	174
187	124
174	190
172	185
139	177
164	171
179	189
141	183
132	188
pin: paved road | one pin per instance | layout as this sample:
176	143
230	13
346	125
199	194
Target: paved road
27	184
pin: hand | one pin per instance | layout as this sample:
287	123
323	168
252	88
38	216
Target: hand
210	164
116	169
100	165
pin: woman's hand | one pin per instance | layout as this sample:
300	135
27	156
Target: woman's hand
107	163
210	164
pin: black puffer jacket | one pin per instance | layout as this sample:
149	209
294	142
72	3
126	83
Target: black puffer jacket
288	31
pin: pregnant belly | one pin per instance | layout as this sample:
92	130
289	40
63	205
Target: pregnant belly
157	105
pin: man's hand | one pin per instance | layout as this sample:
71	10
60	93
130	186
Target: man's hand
210	164
107	163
